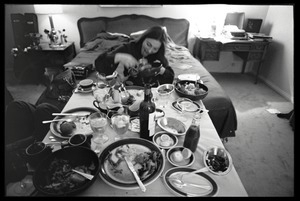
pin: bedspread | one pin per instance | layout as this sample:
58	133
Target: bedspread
221	109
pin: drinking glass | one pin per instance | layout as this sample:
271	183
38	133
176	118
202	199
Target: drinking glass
164	92
184	104
101	80
120	123
98	123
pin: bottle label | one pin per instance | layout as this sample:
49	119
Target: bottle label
151	124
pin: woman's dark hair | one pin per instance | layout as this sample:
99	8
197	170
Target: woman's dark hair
157	33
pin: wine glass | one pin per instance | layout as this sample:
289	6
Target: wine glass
184	104
98	123
164	92
120	123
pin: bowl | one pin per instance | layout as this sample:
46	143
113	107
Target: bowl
217	160
171	156
165	140
186	89
60	162
172	125
165	89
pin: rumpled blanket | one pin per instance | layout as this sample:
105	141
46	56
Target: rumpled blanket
179	56
103	42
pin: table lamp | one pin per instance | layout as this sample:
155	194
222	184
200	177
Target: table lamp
49	9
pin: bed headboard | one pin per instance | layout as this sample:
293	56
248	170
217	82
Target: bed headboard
126	24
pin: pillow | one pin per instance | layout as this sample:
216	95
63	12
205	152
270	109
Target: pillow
119	34
136	35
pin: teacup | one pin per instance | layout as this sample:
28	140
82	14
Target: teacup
78	140
86	84
37	151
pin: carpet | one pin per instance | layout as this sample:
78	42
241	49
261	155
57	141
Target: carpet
263	149
32	94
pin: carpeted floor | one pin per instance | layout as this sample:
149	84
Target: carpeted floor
263	149
29	92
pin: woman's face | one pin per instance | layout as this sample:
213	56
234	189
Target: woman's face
150	46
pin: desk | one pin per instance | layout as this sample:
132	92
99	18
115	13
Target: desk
228	185
34	61
248	50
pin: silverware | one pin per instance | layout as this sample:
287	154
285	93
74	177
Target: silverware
69	114
88	176
130	165
54	120
182	184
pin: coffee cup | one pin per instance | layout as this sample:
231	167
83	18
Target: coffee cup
86	84
78	140
36	152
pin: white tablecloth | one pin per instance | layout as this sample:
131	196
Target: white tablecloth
228	185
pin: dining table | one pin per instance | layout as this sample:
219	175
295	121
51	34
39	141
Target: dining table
228	185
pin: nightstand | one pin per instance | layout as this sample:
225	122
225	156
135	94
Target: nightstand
55	57
29	66
248	50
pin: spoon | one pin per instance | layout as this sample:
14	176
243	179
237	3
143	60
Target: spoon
182	184
54	120
88	176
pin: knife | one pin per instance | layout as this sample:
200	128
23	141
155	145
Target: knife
68	114
130	165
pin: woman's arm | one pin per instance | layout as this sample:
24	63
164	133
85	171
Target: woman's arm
109	61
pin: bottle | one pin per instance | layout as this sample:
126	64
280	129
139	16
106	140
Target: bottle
192	135
147	115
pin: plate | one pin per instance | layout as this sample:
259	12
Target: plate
172	125
189	191
80	90
135	91
192	77
114	170
194	107
82	124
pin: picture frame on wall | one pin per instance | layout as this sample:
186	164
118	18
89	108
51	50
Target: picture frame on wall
253	25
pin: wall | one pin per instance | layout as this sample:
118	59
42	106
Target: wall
199	16
278	68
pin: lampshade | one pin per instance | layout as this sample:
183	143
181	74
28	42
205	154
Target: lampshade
48	8
235	19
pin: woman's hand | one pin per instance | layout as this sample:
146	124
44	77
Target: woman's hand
127	60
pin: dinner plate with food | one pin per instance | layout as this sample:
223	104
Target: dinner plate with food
75	122
116	97
146	157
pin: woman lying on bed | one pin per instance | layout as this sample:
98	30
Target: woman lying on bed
139	61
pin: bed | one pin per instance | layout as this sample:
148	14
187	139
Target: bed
101	34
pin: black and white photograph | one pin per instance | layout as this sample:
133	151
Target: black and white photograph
149	100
